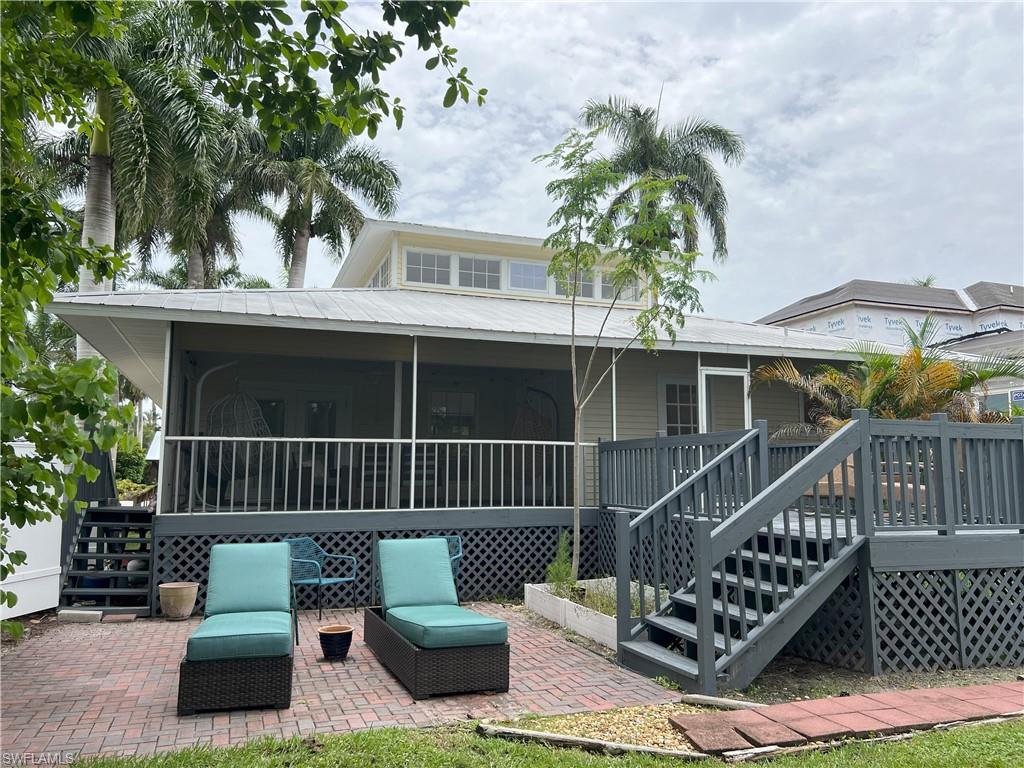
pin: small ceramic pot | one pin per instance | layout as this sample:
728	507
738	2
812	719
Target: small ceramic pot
335	640
178	599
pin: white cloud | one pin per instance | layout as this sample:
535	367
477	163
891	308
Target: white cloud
885	141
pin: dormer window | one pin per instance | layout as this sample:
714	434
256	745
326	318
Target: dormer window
527	276
432	268
584	286
475	272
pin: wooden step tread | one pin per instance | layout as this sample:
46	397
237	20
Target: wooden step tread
661	655
683	629
689	599
780	560
109	555
105	591
107	574
115	539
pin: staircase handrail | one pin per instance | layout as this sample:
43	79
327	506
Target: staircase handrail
765	506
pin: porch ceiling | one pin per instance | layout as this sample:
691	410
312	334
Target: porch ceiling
129	327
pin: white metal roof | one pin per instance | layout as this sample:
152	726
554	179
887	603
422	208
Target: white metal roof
129	327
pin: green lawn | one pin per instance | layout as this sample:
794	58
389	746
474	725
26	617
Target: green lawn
987	746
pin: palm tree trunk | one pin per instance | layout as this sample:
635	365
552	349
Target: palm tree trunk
196	271
98	224
297	270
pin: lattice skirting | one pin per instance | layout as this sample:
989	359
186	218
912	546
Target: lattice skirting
676	555
496	561
930	620
835	633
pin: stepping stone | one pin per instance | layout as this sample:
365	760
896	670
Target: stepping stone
77	616
716	740
897	718
771	733
837	705
118	618
861	724
782	713
818	728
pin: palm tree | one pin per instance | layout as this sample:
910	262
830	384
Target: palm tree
198	220
316	172
155	122
912	385
216	275
643	147
928	281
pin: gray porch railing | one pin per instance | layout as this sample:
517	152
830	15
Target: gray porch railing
636	473
242	475
782	457
940	476
920	475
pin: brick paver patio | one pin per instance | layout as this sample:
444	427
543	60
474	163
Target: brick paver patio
112	688
848	716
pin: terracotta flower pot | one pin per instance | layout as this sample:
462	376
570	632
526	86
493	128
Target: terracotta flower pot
178	599
335	640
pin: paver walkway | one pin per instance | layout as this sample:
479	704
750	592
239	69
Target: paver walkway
112	688
847	716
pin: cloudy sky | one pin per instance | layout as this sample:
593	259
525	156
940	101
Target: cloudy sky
884	141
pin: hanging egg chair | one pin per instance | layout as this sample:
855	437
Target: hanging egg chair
236	415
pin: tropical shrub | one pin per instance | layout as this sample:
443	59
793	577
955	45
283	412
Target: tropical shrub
913	384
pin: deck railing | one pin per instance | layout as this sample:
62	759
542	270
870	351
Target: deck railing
238	474
636	473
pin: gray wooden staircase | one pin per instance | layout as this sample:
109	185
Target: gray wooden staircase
732	565
108	563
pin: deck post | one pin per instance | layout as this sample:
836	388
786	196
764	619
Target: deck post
663	470
396	432
872	664
412	427
623	579
707	678
864	473
762	455
944	468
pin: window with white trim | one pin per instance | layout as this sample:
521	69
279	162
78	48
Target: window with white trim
584	286
431	268
630	291
680	408
527	276
382	277
475	272
452	414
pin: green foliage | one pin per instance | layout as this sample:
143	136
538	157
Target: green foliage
638	238
983	746
913	385
129	490
63	60
131	464
559	572
270	72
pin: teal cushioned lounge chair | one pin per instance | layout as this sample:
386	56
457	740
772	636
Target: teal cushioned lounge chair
422	634
241	654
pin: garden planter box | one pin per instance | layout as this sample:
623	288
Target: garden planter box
578	618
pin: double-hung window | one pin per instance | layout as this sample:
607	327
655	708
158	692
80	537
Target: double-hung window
630	291
432	268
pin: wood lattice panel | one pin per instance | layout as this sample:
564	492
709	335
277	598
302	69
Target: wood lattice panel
835	633
496	562
916	620
992	611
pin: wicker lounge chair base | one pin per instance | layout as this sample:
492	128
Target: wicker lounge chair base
235	684
436	671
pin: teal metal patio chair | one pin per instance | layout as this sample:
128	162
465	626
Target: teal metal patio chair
309	561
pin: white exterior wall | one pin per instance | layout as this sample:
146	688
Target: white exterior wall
884	324
37	582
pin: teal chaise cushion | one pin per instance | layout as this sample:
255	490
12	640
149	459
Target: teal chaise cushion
415	572
248	604
419	600
446	626
241	636
249	577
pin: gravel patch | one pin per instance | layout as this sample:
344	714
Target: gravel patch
646	726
